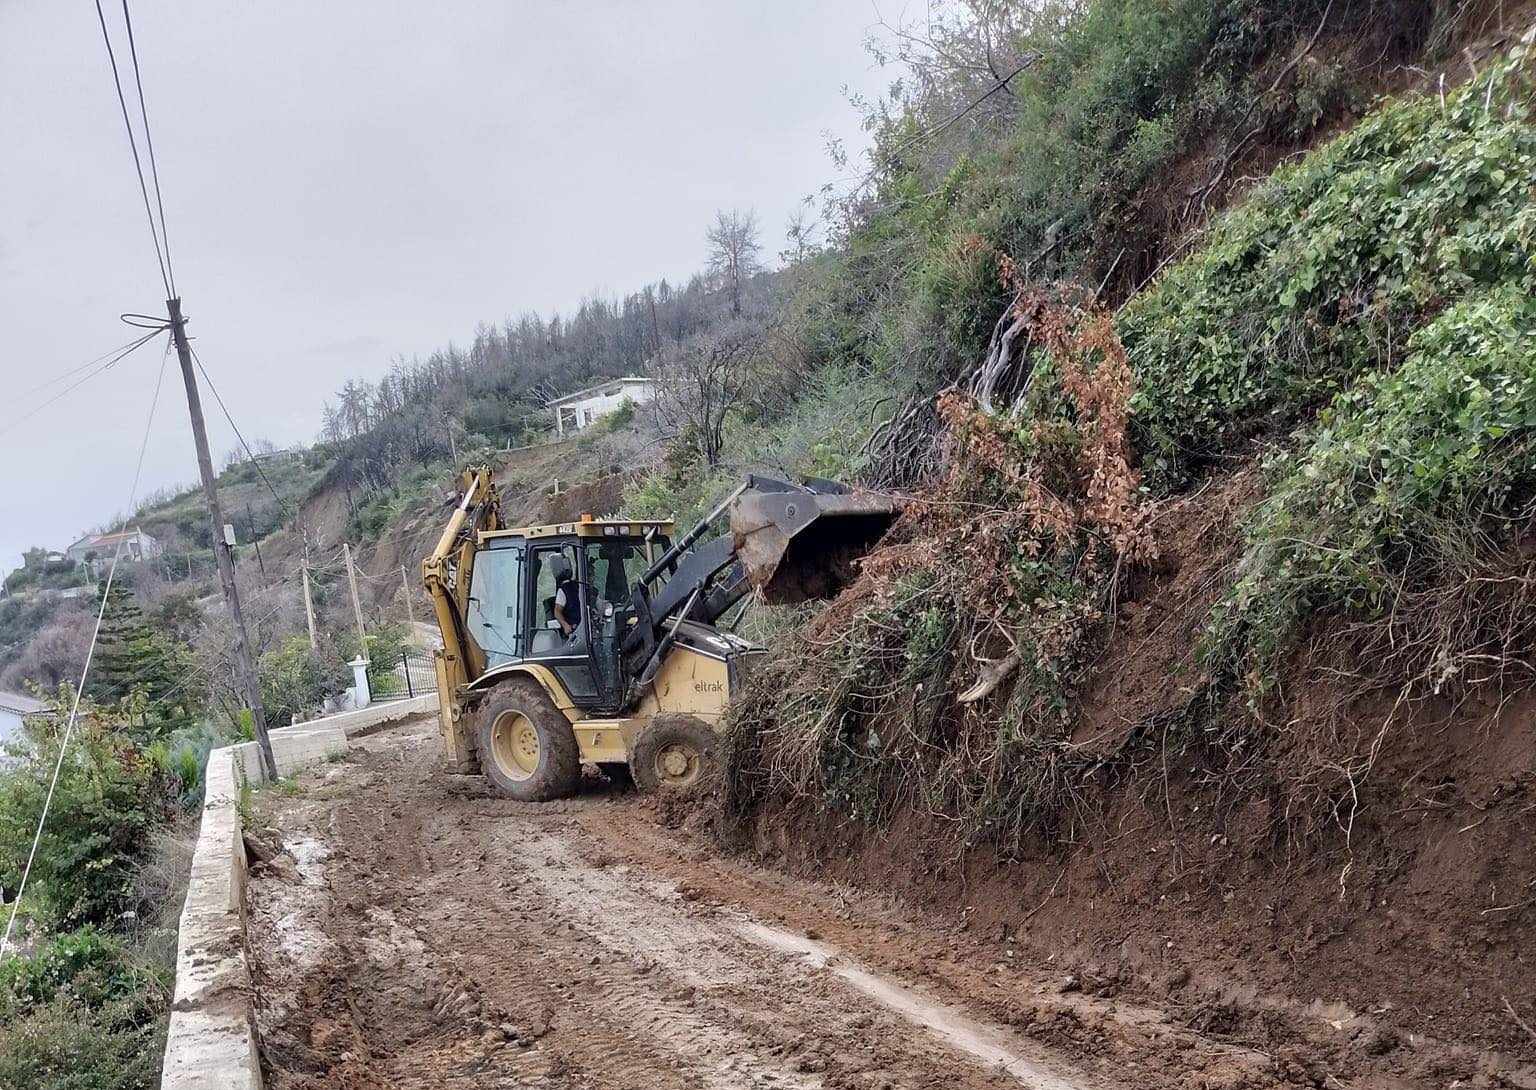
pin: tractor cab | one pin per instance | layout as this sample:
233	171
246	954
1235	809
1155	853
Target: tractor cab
519	574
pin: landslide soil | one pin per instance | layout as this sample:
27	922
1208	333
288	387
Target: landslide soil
412	930
1353	899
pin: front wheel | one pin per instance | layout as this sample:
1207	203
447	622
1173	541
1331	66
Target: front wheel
676	752
527	748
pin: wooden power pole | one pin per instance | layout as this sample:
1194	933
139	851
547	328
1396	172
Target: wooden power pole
309	608
226	564
410	611
250	520
357	606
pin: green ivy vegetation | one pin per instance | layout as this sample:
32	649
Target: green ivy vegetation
1324	273
1379	295
1411	472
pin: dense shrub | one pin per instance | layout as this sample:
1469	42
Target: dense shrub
296	679
81	1013
111	796
1327	269
66	1045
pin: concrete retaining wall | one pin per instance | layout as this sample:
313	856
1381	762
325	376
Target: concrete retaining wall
369	719
293	748
211	1044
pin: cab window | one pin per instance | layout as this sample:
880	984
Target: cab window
496	602
615	565
544	633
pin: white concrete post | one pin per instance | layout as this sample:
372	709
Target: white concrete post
362	697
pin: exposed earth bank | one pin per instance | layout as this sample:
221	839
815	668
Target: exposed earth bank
414	931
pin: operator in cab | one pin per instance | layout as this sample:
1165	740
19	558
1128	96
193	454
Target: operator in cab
567	596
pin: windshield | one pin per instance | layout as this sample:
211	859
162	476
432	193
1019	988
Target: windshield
614	565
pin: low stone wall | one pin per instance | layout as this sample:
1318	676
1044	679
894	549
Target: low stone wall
293	748
373	717
211	1044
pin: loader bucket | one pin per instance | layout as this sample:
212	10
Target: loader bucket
796	546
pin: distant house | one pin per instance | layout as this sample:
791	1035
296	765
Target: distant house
13	709
575	411
136	545
283	457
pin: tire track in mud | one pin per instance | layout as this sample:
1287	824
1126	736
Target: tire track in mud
459	940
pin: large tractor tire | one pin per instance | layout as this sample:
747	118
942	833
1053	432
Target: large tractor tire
676	752
527	748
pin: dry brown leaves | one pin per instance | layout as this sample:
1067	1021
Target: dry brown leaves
1069	488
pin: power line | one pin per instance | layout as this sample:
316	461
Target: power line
247	447
133	143
76	370
85	671
149	145
132	347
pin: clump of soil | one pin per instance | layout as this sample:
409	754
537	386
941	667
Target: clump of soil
1148	666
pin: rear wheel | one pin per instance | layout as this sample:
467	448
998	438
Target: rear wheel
527	748
676	752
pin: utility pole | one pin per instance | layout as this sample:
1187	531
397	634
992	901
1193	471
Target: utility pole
309	608
410	612
250	520
226	564
357	606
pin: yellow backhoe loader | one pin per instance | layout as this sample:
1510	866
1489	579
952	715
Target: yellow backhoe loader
602	641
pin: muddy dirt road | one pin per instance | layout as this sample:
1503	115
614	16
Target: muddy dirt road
414	931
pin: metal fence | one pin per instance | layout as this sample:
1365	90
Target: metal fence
411	675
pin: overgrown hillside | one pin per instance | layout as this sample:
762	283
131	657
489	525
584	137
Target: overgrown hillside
1202	652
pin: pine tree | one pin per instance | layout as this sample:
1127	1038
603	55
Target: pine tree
135	666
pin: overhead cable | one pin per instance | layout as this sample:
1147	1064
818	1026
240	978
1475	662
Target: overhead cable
133	144
74	711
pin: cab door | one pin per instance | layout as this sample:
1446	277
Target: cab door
569	657
496	596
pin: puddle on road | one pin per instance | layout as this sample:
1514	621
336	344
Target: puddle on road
969	1036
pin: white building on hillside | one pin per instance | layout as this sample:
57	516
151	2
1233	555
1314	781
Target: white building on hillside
575	411
136	545
13	709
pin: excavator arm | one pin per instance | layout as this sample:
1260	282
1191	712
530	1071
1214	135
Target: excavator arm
446	574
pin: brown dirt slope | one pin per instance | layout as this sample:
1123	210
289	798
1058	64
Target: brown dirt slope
1371	866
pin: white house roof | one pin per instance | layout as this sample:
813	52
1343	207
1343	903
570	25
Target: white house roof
21	705
110	539
593	391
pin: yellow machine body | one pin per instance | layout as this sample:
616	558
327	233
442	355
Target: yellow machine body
646	656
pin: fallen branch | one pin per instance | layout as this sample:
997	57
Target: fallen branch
1521	1022
993	673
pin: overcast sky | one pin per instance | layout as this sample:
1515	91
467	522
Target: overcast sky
351	180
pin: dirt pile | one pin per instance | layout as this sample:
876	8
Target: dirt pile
1370	868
